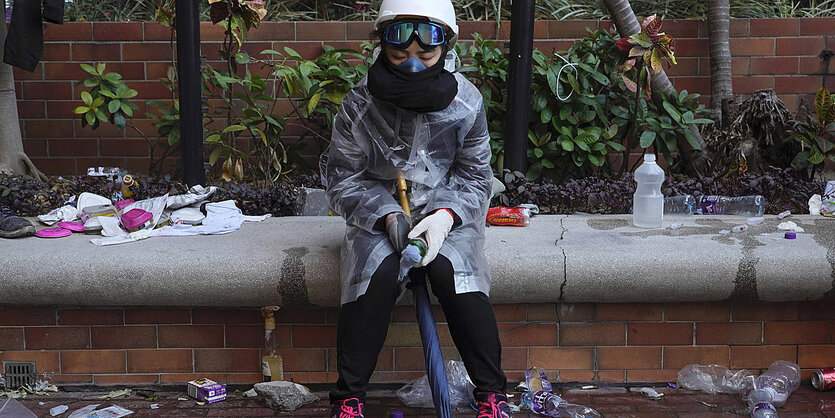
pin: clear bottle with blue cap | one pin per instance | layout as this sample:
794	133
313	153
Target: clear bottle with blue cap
648	202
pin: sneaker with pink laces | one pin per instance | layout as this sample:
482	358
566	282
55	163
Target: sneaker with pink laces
492	405
347	408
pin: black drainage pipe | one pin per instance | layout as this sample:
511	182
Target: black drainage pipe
188	79
519	85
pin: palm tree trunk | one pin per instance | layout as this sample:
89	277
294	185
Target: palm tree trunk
718	23
12	157
627	24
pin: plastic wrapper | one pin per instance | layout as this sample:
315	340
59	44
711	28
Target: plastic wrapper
418	394
714	378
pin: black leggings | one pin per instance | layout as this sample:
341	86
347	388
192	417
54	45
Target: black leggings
363	325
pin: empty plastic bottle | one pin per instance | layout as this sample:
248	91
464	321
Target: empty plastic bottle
681	205
648	202
548	404
753	205
772	388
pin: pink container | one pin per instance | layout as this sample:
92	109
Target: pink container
123	204
72	226
134	219
53	233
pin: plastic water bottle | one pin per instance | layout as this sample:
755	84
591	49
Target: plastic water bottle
679	205
548	404
753	205
772	388
763	410
648	202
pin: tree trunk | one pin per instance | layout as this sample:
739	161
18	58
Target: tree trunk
627	24
12	157
718	22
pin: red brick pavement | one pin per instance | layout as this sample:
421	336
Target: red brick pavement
609	402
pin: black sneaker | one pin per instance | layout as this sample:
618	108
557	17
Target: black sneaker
13	226
492	405
347	408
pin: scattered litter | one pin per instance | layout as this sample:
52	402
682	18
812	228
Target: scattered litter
66	213
250	393
41	403
417	393
182	399
823	379
83	412
815	203
739	228
676	225
546	403
828	200
790	235
672	385
154	406
531	207
789	226
784	214
724	232
206	390
11	408
537	380
58	410
714	379
522	387
709	405
513	408
755	220
652	393
588	387
115	394
113	411
505	216
149	395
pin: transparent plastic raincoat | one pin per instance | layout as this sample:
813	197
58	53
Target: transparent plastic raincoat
445	156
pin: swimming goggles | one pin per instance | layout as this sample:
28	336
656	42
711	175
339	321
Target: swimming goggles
401	33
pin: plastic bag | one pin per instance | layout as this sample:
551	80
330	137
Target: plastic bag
418	394
714	378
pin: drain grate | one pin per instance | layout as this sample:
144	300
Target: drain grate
19	373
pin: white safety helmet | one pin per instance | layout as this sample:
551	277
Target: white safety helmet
438	11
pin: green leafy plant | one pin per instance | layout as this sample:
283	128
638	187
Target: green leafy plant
110	100
486	66
317	87
815	132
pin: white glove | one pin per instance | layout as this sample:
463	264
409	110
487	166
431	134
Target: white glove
435	228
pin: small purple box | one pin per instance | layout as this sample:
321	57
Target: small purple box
206	390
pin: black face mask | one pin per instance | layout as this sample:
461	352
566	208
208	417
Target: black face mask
429	90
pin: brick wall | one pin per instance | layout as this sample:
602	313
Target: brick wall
768	53
577	342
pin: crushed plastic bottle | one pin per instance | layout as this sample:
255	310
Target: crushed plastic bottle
548	404
648	202
681	205
753	205
714	378
774	386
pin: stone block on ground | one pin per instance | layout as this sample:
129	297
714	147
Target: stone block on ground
284	396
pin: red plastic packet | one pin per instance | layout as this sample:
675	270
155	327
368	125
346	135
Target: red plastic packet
505	216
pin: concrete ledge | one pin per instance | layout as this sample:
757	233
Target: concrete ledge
295	260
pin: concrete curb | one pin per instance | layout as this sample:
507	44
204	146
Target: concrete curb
295	261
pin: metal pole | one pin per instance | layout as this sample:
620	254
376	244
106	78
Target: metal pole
519	85
188	79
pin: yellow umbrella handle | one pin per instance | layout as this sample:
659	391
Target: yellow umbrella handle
401	191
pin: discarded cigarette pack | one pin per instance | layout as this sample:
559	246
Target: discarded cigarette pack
206	390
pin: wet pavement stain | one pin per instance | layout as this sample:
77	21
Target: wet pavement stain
823	236
291	282
745	283
607	224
